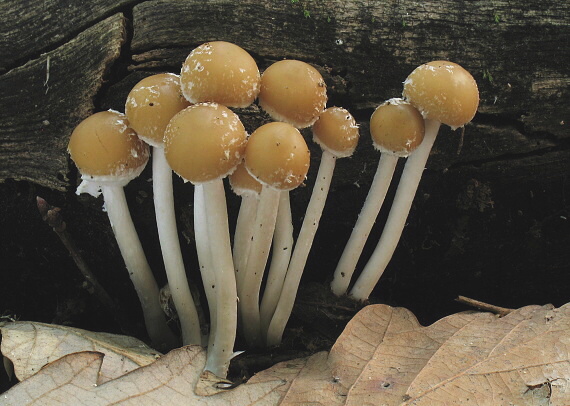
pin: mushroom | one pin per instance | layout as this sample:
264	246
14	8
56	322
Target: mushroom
293	92
248	188
109	154
337	133
150	105
443	92
220	72
224	73
203	144
397	129
281	254
278	157
201	238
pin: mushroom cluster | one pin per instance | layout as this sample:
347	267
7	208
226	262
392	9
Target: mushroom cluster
440	92
190	124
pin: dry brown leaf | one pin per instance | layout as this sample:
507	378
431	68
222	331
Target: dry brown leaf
30	346
210	384
308	381
170	380
466	358
383	349
384	357
522	358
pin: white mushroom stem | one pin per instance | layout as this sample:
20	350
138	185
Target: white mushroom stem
170	246
281	254
399	211
205	256
372	205
302	249
137	266
244	234
220	352
258	254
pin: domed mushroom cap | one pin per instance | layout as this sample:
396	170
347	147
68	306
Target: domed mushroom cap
336	131
220	72
277	155
104	145
443	91
151	104
396	127
204	142
294	92
243	183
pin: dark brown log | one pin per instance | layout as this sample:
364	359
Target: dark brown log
30	28
44	99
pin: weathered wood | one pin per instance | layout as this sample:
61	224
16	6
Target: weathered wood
30	28
43	100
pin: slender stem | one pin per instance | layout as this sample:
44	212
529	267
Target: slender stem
221	351
398	214
137	266
244	234
282	247
170	246
302	249
204	256
366	218
260	246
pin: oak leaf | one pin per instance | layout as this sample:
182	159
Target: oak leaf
170	380
385	357
30	346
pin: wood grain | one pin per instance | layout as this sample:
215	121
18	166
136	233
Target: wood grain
44	99
30	28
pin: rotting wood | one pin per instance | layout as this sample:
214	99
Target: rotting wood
43	100
30	28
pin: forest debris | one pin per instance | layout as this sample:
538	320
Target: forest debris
384	356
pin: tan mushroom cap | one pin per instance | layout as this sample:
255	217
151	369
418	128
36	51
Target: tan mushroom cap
204	142
336	131
220	72
277	155
443	91
104	145
151	104
396	127
294	92
243	183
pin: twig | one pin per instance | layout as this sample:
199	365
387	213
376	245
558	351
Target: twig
52	216
501	311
